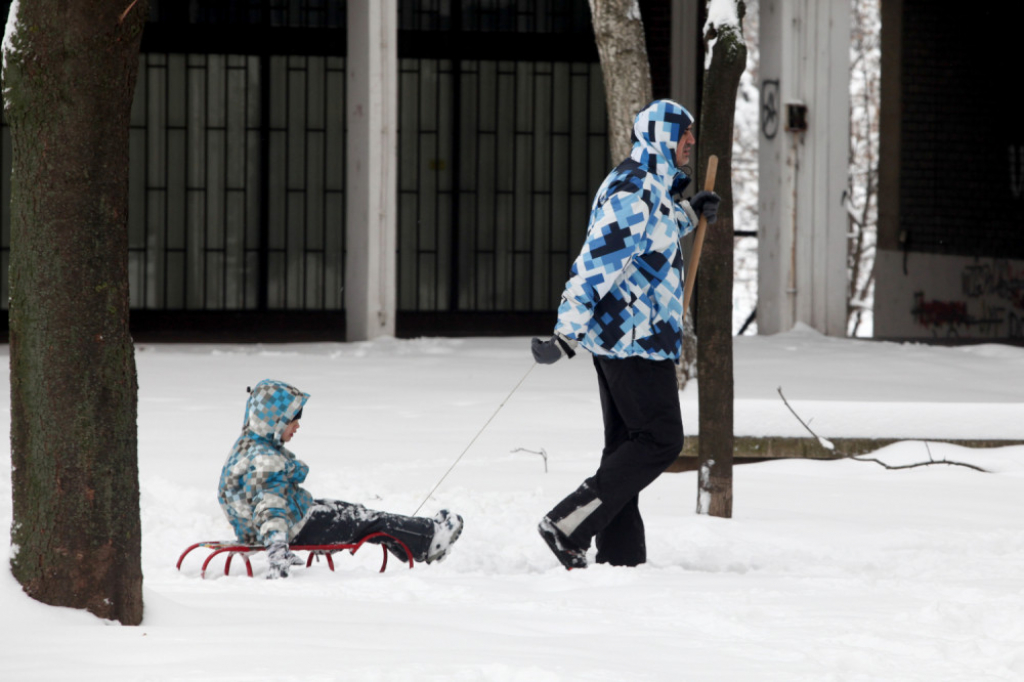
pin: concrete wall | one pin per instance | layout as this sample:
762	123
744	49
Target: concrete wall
935	296
803	226
685	53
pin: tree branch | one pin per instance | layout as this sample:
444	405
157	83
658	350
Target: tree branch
543	453
828	445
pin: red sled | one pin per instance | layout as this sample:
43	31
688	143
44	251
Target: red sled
232	549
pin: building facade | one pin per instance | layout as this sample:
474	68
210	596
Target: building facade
243	185
950	262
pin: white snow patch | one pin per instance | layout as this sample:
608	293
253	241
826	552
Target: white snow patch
10	30
907	575
721	13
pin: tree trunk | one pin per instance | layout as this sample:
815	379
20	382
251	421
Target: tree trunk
68	85
622	48
715	275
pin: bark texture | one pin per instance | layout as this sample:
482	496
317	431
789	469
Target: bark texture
622	48
68	85
714	277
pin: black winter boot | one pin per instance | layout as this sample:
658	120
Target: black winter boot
569	556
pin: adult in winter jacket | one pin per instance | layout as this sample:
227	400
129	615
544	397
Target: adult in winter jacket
260	492
624	303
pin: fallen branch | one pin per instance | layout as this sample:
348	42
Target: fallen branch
543	453
828	445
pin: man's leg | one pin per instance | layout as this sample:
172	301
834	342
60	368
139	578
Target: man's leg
646	397
334	521
622	541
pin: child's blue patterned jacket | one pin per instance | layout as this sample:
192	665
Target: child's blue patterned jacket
259	484
624	297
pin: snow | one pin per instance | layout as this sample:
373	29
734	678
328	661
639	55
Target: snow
11	28
828	571
721	13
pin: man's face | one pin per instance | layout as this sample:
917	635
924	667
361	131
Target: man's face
290	430
684	146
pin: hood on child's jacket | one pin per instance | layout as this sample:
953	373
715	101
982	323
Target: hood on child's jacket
657	130
271	405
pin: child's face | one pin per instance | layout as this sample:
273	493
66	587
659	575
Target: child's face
290	430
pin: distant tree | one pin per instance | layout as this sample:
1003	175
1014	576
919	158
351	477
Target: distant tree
862	192
724	43
744	177
69	78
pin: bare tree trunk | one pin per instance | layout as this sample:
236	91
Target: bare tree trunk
68	85
715	276
622	47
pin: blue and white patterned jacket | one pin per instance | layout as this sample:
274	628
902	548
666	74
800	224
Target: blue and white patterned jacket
624	297
259	484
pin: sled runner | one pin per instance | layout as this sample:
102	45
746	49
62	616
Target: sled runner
232	549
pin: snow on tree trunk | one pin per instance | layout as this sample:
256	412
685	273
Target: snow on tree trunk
622	48
69	77
727	54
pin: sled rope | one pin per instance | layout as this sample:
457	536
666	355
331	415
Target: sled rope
482	428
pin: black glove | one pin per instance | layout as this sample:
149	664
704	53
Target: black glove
551	351
706	204
281	560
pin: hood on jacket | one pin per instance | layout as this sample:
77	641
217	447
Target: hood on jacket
271	405
657	130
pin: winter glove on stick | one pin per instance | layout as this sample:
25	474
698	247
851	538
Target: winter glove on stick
551	351
698	238
281	560
706	204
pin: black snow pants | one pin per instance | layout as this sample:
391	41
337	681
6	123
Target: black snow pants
643	435
334	521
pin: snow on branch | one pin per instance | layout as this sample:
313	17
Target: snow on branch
722	13
828	445
723	16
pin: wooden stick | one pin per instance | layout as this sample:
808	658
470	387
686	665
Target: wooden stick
698	240
126	11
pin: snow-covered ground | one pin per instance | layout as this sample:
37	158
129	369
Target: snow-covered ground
828	570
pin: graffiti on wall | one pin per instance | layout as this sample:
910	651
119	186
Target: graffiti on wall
995	279
770	108
993	305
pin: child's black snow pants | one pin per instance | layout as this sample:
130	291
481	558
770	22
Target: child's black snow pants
334	521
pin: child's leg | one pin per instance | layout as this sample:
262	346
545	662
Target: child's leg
334	521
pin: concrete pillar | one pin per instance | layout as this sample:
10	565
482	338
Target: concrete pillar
802	230
371	166
685	39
